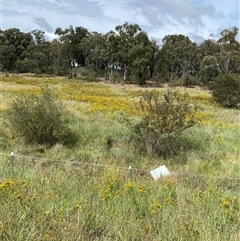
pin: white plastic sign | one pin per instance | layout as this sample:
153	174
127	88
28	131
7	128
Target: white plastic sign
161	171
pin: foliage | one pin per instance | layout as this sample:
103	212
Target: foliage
71	38
40	118
177	57
162	121
226	90
209	69
126	52
141	53
13	44
126	39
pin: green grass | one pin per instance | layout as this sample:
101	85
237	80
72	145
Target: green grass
85	192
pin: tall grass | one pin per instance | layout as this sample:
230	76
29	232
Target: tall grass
86	193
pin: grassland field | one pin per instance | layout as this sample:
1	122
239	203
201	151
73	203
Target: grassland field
86	192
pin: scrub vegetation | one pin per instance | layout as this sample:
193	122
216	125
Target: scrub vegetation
79	186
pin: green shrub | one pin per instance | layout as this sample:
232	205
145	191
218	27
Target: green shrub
40	119
226	90
175	82
162	122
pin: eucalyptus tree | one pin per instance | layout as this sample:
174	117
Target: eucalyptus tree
221	56
58	62
71	38
229	56
209	69
99	51
177	57
95	51
154	57
104	49
68	49
126	40
13	43
35	60
80	33
209	47
141	54
229	36
36	57
38	37
90	47
109	54
7	56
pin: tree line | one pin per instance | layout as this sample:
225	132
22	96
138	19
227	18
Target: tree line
126	53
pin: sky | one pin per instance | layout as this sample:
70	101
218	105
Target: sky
198	19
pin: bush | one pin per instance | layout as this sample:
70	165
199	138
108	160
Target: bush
175	82
162	122
40	119
226	90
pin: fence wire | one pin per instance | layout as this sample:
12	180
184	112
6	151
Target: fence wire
191	180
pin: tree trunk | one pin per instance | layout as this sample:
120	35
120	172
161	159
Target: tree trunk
125	73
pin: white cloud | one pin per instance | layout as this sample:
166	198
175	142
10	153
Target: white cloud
157	17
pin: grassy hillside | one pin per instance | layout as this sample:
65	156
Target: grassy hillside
87	193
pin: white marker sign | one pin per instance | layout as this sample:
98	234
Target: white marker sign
160	171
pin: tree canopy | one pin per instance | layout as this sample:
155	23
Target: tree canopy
125	53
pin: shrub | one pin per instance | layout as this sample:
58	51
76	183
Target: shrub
226	90
162	122
175	82
40	118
